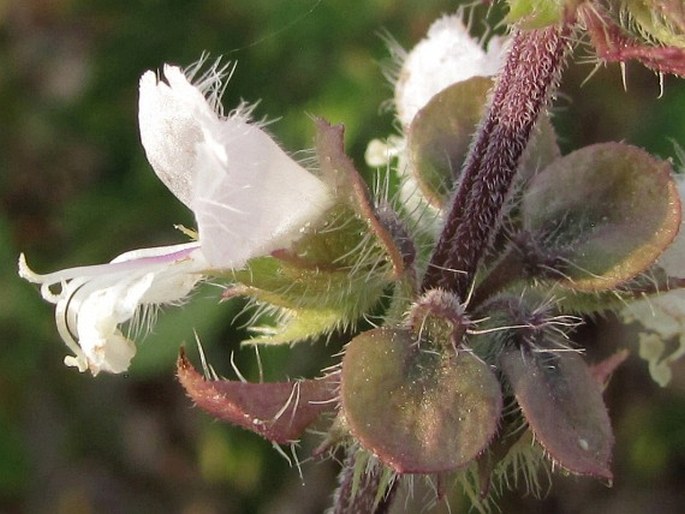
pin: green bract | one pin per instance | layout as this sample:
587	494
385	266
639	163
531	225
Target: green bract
419	407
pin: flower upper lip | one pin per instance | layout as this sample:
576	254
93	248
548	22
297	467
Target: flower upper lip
249	197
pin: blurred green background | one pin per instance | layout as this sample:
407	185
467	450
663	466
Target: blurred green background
75	188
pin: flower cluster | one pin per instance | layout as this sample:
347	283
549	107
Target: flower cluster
481	265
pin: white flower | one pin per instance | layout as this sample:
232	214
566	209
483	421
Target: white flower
446	56
248	196
663	315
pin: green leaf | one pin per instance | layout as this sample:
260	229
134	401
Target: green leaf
340	173
608	211
535	14
419	410
311	302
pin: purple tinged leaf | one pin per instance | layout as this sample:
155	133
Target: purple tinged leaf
339	172
278	411
439	136
608	210
562	402
417	409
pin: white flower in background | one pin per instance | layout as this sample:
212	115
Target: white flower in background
248	196
663	315
446	56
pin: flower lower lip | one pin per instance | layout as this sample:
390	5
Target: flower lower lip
95	300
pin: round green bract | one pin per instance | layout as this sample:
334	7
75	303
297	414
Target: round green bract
418	409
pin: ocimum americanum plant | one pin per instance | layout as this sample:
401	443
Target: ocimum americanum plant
482	261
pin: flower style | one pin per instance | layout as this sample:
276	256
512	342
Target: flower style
248	196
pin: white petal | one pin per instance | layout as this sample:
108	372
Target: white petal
94	301
663	316
169	128
250	197
113	355
105	348
446	56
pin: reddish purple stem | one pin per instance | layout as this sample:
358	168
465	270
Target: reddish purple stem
521	93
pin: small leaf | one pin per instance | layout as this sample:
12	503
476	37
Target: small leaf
562	403
301	324
609	210
417	409
278	411
440	134
310	302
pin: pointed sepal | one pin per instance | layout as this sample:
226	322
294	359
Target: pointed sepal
278	411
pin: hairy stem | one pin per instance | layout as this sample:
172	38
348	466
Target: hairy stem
521	93
359	494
